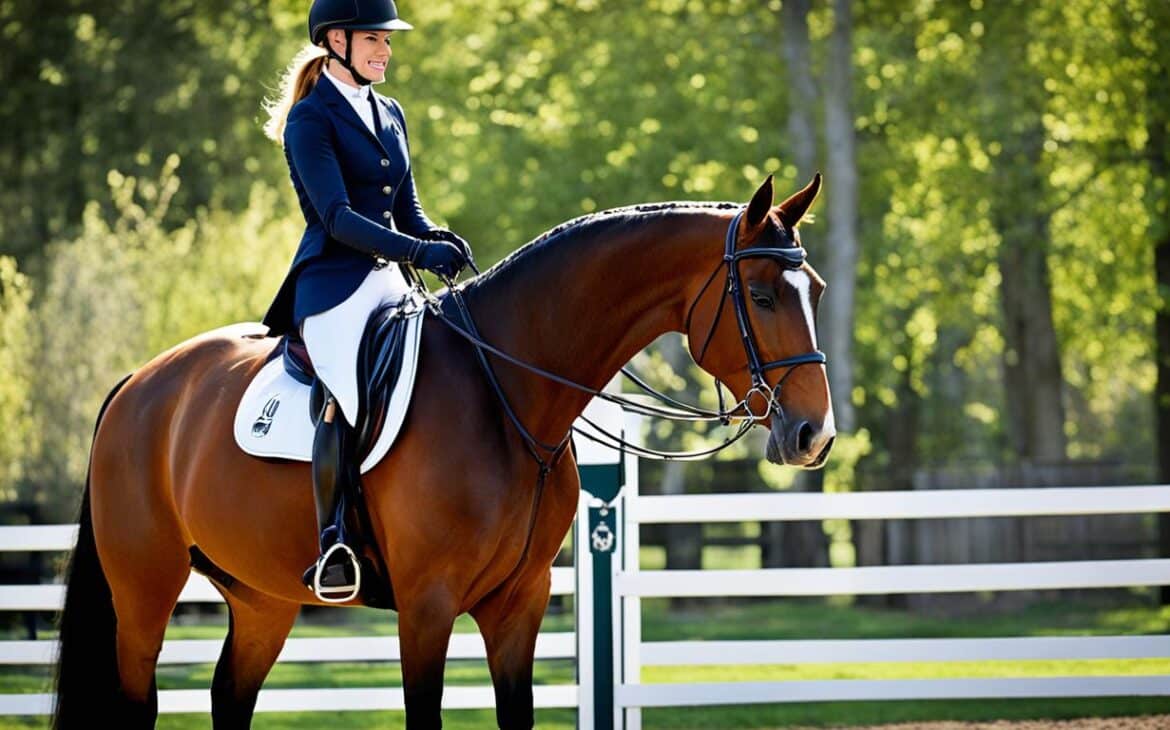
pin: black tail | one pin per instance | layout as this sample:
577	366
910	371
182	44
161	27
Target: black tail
87	664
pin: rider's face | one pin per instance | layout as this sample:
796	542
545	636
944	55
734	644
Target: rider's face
371	53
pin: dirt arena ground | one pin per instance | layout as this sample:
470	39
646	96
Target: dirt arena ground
1147	722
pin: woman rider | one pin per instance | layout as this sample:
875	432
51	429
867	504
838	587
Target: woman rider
347	153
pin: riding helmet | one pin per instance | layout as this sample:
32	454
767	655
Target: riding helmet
353	15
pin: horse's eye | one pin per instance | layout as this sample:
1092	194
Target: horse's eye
763	300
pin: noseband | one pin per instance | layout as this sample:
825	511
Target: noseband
791	259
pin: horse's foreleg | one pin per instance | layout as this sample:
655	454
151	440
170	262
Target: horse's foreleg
509	620
424	630
258	627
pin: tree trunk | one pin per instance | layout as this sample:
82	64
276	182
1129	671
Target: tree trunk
799	544
1162	389
836	330
802	90
1158	154
1033	381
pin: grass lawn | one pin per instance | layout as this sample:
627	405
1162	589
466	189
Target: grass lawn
777	619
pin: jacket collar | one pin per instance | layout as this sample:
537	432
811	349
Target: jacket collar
328	93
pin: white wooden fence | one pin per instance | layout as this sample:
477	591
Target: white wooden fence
632	584
199	590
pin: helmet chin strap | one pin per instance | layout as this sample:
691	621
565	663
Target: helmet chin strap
361	80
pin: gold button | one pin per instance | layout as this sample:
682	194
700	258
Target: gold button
387	190
386	214
385	163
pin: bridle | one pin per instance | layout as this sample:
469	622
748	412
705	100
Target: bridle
791	258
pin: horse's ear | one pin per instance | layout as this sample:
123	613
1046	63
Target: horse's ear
793	209
760	205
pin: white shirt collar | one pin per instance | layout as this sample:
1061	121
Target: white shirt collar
359	98
354	95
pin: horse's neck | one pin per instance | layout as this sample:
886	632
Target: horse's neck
583	305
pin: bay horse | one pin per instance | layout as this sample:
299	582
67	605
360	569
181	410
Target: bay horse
451	501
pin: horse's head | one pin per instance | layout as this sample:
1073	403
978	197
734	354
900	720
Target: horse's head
753	328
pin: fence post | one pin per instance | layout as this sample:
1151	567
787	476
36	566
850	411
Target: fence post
629	628
602	481
582	605
602	472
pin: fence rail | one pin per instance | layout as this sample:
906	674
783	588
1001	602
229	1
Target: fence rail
895	579
50	597
902	505
340	649
804	651
310	700
837	690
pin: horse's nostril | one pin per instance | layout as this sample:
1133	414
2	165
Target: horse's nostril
804	436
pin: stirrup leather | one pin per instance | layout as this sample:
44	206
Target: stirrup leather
352	591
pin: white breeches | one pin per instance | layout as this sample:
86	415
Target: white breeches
332	337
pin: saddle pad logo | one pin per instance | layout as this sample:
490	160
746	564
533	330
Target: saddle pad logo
264	422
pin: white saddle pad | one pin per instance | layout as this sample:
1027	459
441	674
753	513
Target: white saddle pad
273	417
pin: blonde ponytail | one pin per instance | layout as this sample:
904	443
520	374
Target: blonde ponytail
298	80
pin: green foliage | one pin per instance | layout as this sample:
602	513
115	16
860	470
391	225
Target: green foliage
524	114
946	91
95	85
121	292
19	342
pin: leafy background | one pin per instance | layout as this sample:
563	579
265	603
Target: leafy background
141	203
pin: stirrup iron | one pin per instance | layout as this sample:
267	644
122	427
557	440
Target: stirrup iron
354	590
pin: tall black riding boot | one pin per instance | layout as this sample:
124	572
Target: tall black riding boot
335	574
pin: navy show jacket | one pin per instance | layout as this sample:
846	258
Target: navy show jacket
356	191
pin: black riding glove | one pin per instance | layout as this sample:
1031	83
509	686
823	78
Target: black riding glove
442	234
439	257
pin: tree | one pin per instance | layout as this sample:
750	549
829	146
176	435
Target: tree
17	435
841	249
1157	110
802	93
94	85
1013	91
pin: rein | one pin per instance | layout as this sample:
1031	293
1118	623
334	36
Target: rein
791	258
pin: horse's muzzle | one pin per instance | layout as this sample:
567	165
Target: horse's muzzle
799	443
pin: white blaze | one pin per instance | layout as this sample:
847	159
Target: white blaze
801	282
